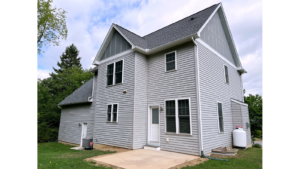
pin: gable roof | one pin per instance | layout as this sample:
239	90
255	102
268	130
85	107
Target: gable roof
184	28
80	95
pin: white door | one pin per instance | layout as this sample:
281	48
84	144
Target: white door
154	125
83	132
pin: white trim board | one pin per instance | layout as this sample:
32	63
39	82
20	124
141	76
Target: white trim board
114	56
215	52
206	22
239	102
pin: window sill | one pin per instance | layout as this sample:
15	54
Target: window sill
171	71
179	134
222	132
114	85
227	83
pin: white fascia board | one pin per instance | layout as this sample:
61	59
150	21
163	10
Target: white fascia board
231	38
165	46
106	41
204	25
239	102
103	44
215	52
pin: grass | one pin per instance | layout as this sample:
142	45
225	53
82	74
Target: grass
257	139
246	159
60	156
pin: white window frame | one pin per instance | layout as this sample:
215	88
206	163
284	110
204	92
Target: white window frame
114	71
111	112
219	118
177	117
225	73
175	61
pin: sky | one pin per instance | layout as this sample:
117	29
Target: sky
88	22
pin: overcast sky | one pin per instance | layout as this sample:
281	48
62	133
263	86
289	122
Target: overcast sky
89	20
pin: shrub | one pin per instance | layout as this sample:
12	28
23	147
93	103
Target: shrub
46	133
256	145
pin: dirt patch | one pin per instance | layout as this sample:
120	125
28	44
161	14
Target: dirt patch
110	148
190	163
224	156
66	143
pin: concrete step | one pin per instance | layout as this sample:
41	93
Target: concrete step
151	148
78	148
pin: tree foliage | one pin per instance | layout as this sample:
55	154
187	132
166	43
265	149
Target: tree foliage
51	24
68	59
255	106
53	90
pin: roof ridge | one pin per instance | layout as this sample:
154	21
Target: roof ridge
181	19
129	31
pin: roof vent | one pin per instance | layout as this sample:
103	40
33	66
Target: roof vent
192	18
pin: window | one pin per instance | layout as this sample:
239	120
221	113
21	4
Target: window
171	61
226	74
110	74
178	116
220	117
112	113
115	73
118	72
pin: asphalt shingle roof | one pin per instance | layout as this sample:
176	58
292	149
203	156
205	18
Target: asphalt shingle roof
178	30
80	95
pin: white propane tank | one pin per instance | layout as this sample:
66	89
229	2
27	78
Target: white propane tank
239	137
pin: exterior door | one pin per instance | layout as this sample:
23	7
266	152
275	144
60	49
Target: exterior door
154	125
83	132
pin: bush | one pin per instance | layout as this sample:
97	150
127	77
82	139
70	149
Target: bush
46	133
256	145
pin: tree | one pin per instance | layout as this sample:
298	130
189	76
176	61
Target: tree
255	106
68	59
51	24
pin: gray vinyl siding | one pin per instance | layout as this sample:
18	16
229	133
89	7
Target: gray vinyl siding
236	115
213	34
175	84
212	89
140	102
69	130
116	45
245	113
115	134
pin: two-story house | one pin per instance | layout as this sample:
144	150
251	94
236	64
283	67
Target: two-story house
179	89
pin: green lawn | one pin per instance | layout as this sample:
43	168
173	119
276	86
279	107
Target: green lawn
60	156
246	159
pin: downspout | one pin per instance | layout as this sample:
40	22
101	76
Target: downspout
199	107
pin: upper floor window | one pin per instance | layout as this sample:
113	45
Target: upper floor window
226	74
171	61
114	73
178	116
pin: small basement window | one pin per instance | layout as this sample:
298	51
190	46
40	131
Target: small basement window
171	61
226	74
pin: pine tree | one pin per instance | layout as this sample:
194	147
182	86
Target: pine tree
68	59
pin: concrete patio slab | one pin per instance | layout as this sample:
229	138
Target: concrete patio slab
146	159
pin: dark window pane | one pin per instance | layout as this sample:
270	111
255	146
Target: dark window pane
115	108
108	112
155	117
171	66
184	124
114	116
170	57
118	77
171	124
221	124
220	110
226	70
109	80
110	69
183	107
119	66
227	78
170	107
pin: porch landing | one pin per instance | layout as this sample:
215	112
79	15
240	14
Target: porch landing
146	159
